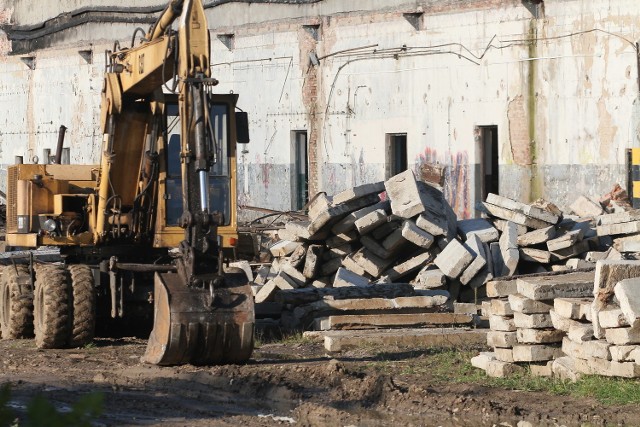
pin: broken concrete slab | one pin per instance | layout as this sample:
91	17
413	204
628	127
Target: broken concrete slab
476	247
624	353
337	240
501	307
627	292
407	267
499	369
501	288
585	207
501	224
617	229
572	251
266	292
573	308
481	360
612	317
370	221
509	249
537	237
501	323
607	274
535	255
346	277
297	278
348	222
573	285
529	210
430	277
565	241
350	264
453	259
480	227
579	264
283	248
371	263
313	261
503	354
510	215
414	234
622	336
375	247
594	366
358	191
564	369
410	197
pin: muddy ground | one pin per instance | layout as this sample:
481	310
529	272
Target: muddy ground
285	383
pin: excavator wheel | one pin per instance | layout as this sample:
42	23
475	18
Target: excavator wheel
16	302
190	327
84	305
52	309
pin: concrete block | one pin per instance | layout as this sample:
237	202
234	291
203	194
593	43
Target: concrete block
501	224
607	274
436	225
350	264
348	222
625	353
617	229
562	323
503	354
536	237
535	353
501	339
283	248
573	285
453	259
533	211
594	256
532	321
330	267
510	215
479	227
385	230
480	279
622	336
497	262
407	267
295	231
509	248
266	292
485	308
313	261
394	241
612	317
430	277
535	255
501	323
370	221
320	225
573	308
341	239
475	246
391	320
616	218
319	204
465	308
501	288
577	263
586	350
572	251
345	277
412	233
585	207
539	336
580	332
565	241
499	369
375	247
564	369
500	307
410	197
285	281
607	368
522	304
340	251
371	263
541	369
481	360
297	278
297	257
264	274
359	191
627	292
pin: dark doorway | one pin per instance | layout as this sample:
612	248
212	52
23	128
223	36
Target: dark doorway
489	160
300	169
396	153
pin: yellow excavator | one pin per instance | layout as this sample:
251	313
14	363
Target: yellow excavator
145	234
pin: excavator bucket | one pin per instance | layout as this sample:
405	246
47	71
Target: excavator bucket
191	328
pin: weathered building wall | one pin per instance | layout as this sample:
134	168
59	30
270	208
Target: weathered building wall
560	84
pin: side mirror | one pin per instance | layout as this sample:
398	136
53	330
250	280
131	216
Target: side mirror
242	127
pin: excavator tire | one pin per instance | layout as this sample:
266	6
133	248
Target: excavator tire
52	308
84	305
16	302
190	327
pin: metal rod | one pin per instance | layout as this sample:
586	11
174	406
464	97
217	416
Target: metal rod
61	133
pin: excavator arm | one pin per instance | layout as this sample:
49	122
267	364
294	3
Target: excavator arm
202	314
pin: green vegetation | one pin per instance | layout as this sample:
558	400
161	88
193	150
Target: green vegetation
453	366
41	412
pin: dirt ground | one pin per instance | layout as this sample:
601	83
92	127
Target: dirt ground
284	384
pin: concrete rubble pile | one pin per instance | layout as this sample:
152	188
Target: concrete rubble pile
566	325
403	232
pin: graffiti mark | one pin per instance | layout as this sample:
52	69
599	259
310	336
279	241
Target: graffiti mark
456	178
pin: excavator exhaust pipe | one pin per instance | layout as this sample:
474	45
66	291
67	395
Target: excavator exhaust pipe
191	328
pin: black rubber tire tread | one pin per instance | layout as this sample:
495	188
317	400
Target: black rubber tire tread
20	315
83	325
52	307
